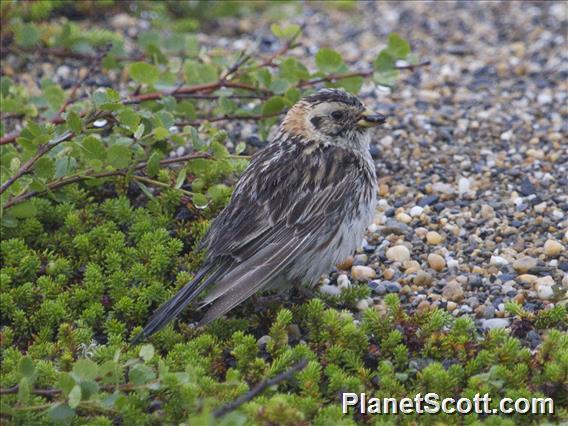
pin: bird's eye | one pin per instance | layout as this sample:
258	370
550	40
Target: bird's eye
337	115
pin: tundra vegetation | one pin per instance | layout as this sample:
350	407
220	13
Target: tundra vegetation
100	225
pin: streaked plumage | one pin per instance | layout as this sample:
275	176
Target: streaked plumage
301	206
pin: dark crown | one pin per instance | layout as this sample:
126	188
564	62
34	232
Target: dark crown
333	95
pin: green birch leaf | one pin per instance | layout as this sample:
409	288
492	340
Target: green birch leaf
144	73
398	46
273	105
328	60
27	367
147	352
61	413
153	165
27	35
23	210
181	178
74	398
119	156
24	391
74	122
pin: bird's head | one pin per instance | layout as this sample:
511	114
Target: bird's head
331	116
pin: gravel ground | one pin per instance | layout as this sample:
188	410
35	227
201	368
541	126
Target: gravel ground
473	166
473	163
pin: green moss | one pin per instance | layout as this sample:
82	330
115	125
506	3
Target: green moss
98	272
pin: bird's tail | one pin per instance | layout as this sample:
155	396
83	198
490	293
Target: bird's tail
173	307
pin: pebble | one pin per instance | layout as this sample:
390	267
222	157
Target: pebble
436	262
546	280
411	266
330	289
403	218
451	306
64	72
362	273
464	186
527	278
423	279
343	281
453	291
487	212
386	141
491	324
489	311
264	340
443	188
389	273
433	238
507	136
524	264
392	287
362	304
416	211
294	333
498	260
378	288
423	306
346	264
398	253
553	248
395	227
452	263
472	302
545	292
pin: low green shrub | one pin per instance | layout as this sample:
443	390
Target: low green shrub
79	280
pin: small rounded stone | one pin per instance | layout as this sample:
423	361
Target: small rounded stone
362	273
493	323
436	262
433	238
403	218
498	260
553	248
330	289
545	292
423	306
453	291
487	212
389	273
524	264
343	281
423	278
411	266
362	304
416	211
346	264
398	253
546	281
527	278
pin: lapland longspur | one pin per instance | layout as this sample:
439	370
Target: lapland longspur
301	206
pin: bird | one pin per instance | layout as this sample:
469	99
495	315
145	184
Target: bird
300	207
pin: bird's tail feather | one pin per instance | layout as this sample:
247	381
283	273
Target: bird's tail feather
173	307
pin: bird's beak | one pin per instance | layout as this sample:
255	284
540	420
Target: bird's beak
371	119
